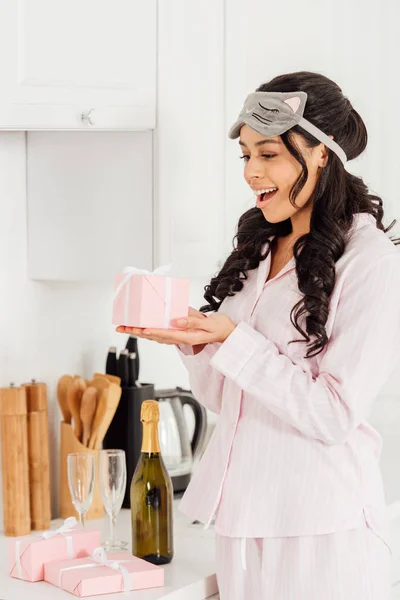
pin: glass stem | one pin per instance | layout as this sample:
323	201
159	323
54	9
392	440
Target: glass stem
82	519
113	520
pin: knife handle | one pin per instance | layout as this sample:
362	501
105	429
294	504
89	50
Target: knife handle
123	370
111	362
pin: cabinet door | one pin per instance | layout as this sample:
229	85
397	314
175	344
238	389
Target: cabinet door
77	64
190	134
89	204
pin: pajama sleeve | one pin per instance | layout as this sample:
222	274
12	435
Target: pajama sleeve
206	382
361	353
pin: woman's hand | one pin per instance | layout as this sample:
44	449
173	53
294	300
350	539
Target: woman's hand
196	329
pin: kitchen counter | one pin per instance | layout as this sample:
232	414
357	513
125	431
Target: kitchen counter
190	575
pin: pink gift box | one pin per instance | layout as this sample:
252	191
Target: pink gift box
29	554
150	300
82	577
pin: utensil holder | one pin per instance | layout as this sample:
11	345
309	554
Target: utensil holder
69	443
125	431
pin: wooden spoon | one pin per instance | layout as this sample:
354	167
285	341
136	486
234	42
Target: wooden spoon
75	393
112	401
62	394
102	385
88	410
112	378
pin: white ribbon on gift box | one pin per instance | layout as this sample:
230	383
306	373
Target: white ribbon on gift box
68	524
130	271
99	558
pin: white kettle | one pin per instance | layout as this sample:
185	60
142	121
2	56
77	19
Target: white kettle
182	433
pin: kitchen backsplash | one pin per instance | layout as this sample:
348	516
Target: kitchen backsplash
47	329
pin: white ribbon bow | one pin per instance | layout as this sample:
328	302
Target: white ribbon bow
69	524
99	557
162	270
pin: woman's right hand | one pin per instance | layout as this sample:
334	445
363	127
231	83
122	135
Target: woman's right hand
138	331
196	313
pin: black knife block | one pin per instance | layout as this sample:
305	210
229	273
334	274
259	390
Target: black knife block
125	431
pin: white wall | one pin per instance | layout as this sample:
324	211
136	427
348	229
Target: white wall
47	329
356	44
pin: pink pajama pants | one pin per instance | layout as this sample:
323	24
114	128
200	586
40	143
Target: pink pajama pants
347	565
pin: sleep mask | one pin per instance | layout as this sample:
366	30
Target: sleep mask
273	113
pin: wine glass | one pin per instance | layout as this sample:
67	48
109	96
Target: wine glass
81	481
112	468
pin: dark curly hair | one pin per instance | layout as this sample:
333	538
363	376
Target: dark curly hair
338	195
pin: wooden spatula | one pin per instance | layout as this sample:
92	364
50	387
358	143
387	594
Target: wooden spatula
88	411
112	401
62	394
102	385
109	377
75	393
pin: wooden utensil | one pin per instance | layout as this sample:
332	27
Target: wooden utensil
102	395
75	393
88	411
112	378
100	383
106	407
112	401
62	394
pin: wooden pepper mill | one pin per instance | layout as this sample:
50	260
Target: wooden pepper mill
14	455
38	455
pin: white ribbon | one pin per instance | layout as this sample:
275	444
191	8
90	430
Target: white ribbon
18	559
68	524
99	557
162	270
130	271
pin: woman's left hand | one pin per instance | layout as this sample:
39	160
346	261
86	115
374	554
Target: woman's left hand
195	330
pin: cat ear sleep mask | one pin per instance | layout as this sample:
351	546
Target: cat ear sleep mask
273	113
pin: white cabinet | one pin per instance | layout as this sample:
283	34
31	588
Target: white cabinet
78	64
190	136
89	204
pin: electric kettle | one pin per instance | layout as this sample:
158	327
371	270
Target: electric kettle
180	444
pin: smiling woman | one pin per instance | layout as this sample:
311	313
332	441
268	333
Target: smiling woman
291	475
312	210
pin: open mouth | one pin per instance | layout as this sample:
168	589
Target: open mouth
265	197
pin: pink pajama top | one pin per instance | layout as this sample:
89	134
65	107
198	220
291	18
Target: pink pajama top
292	453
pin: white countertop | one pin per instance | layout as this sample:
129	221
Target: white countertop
190	575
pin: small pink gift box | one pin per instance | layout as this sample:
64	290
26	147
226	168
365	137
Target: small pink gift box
101	574
28	555
153	300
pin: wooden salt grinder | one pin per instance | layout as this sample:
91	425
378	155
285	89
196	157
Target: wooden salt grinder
38	455
14	455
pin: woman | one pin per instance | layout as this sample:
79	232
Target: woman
291	474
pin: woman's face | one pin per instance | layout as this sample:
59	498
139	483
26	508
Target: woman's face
269	164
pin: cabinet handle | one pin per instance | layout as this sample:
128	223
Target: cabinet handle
86	117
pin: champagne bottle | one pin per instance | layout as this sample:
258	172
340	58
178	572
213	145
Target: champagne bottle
151	495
